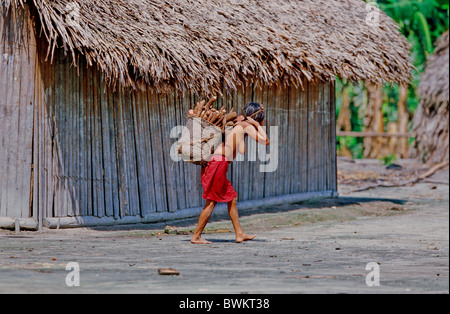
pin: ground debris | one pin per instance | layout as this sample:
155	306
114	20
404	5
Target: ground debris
168	272
365	180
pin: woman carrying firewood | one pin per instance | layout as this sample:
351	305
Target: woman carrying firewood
217	188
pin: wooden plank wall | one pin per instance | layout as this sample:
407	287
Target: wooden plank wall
17	68
106	153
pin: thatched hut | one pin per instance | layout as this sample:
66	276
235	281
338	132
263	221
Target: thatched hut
431	121
90	91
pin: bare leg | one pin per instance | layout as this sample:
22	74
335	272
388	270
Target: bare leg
234	215
202	222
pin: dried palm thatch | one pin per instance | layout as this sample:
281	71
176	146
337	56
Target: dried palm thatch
431	121
215	45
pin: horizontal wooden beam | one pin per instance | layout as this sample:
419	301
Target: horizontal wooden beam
374	134
88	221
18	223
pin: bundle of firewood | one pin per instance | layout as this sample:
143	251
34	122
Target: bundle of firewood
217	117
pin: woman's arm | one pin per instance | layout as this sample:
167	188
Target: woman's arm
255	131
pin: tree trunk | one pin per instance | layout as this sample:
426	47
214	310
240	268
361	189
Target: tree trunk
343	122
374	121
403	120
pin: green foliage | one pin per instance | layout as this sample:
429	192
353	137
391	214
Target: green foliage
422	22
388	160
354	144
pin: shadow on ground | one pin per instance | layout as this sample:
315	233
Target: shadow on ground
285	215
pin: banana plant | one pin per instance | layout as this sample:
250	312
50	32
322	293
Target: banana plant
421	21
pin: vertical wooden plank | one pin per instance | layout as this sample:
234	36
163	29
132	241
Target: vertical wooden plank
320	136
148	153
87	183
47	125
282	127
84	178
314	138
141	150
89	134
109	156
57	151
180	179
66	131
166	119
129	99
51	86
8	82
4	140
326	135
76	144
20	196
70	140
41	144
305	136
62	138
295	130
333	168
310	133
315	141
92	159
292	129
120	154
14	110
36	166
66	127
157	153
14	104
100	198
29	108
4	57
81	145
21	185
286	123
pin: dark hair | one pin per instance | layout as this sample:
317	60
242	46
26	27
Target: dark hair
252	108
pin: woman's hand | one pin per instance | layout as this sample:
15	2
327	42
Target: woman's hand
257	132
253	122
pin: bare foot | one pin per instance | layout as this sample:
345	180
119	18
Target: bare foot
200	241
244	237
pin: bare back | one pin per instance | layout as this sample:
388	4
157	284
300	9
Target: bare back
235	138
234	142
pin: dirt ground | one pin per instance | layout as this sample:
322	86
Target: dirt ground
313	247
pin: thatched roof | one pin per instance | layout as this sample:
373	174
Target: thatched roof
431	120
434	85
213	44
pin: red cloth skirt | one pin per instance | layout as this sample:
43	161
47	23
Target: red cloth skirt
214	181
